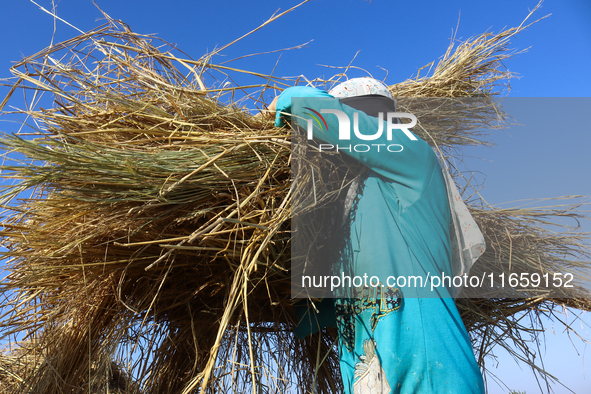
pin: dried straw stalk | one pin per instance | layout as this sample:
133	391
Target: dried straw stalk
155	231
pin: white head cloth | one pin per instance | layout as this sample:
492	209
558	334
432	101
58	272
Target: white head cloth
360	87
467	241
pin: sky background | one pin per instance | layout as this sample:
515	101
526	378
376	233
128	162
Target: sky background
546	157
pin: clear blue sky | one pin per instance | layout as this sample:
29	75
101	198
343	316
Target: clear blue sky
547	160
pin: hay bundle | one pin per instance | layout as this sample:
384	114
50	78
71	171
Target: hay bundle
155	231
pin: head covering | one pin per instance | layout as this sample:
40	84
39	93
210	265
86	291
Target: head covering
360	87
467	241
365	94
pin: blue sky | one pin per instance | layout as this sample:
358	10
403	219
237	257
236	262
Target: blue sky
547	157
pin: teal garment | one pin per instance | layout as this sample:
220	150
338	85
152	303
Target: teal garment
283	106
395	339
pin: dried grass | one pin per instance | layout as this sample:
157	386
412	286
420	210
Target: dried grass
156	228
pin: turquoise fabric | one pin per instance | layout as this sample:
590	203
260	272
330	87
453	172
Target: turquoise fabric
284	100
399	227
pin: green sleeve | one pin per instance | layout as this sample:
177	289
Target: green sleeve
406	162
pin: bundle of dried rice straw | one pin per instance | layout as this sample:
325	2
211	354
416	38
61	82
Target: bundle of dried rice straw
147	232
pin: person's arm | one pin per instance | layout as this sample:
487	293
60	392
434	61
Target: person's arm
409	162
282	103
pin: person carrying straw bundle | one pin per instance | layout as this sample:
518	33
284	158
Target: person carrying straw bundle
392	339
